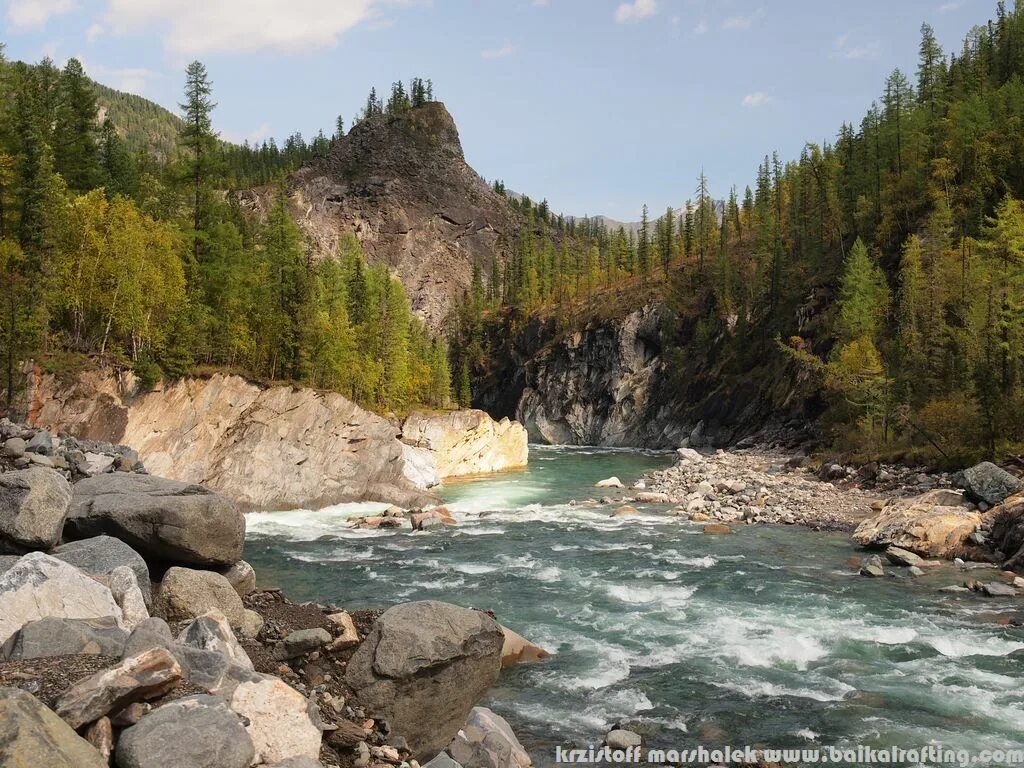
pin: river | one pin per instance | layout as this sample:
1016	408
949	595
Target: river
766	636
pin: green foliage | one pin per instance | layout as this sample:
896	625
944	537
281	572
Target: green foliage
923	195
126	249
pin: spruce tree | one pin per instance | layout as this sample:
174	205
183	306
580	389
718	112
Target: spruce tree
198	142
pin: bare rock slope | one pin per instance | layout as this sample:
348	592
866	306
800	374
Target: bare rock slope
402	185
278	447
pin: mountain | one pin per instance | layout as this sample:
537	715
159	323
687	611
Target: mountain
143	124
401	183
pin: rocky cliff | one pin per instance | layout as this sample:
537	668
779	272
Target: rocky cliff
642	380
402	185
277	447
467	442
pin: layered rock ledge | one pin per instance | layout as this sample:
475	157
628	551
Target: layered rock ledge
277	447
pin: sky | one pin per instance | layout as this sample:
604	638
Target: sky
600	106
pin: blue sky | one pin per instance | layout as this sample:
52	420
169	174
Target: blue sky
598	105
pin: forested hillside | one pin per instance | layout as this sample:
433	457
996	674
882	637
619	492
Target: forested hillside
119	246
889	264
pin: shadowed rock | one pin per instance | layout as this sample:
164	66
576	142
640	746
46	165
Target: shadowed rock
423	667
31	736
66	637
194	732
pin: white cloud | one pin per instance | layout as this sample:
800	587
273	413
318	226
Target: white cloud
33	14
254	137
498	53
93	33
128	79
743	22
197	27
540	2
701	28
635	11
845	49
950	7
756	99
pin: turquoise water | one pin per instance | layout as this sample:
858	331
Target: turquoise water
764	637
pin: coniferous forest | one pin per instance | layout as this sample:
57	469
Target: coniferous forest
888	265
123	242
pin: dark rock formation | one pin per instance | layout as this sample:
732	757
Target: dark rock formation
631	381
402	185
985	482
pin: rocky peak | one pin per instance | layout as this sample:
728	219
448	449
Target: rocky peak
402	185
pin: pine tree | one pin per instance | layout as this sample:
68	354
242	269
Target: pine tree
198	141
74	131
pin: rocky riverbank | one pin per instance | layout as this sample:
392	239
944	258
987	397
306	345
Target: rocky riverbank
276	447
917	518
133	634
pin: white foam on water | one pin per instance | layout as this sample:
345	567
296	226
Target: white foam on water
964	643
806	733
763	689
777	646
474	569
548	574
307	524
674	557
478	531
662	595
442	583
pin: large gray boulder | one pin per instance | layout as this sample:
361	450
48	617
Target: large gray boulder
100	555
194	732
187	594
423	667
163	519
66	637
31	736
39	586
33	505
988	483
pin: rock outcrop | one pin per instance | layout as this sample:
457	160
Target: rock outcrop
629	381
423	667
933	525
402	185
1007	531
277	447
467	442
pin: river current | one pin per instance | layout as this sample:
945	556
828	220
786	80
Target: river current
763	637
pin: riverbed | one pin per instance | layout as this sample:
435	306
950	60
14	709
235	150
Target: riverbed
767	636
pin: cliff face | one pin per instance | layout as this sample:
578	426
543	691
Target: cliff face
467	442
619	383
402	185
266	448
